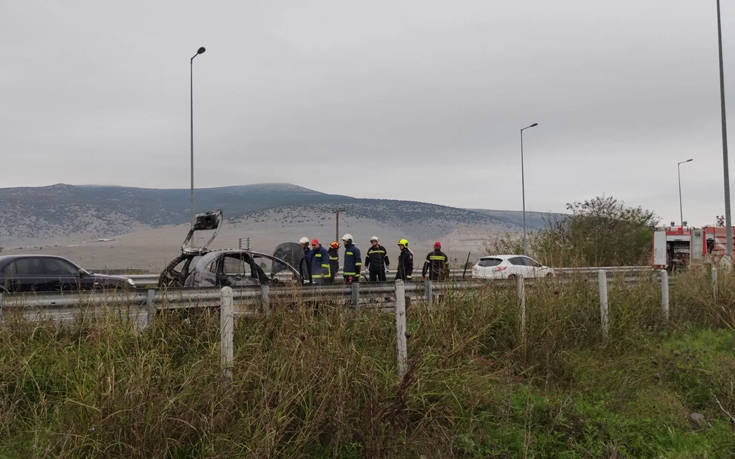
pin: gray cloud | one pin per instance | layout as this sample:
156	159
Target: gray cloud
414	100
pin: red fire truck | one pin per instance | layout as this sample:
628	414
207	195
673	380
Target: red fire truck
677	247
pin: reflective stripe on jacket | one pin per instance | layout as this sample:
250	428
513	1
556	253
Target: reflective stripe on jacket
319	263
436	263
352	263
377	258
333	262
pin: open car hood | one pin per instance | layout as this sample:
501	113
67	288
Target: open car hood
208	221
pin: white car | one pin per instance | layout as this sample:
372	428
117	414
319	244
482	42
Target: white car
509	267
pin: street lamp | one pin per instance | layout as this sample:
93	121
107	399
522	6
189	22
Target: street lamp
191	127
725	166
678	168
523	190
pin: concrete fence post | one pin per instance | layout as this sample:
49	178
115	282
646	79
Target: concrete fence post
265	298
604	320
665	294
401	329
714	283
521	292
150	307
355	294
226	332
428	291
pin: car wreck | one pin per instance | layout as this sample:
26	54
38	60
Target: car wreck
201	267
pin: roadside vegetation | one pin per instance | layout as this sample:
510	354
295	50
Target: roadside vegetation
601	231
322	382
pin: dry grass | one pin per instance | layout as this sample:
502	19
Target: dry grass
321	382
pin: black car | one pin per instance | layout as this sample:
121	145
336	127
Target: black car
50	273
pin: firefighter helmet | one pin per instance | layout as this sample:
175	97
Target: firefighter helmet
304	240
347	237
403	242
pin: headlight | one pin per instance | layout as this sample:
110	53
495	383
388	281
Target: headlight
131	283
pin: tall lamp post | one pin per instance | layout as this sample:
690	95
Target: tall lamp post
678	169
725	166
191	127
523	190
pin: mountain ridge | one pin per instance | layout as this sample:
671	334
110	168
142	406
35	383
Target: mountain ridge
68	211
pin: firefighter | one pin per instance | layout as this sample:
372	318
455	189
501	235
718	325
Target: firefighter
405	261
437	264
304	263
333	260
352	261
318	263
376	260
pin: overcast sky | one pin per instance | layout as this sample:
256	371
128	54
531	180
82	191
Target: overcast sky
417	100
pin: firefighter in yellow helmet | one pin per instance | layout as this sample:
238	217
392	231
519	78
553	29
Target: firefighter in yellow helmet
405	261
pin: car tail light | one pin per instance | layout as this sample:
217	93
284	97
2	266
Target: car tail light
499	268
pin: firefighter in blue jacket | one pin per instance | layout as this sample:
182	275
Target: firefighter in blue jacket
318	263
352	261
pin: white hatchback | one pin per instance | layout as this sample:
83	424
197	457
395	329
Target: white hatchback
509	266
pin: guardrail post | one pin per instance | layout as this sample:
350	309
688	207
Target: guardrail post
714	283
602	281
265	291
355	294
521	292
226	332
428	291
665	293
401	329
150	307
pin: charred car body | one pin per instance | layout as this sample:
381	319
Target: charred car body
200	267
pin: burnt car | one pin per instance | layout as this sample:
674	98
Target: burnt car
50	273
200	267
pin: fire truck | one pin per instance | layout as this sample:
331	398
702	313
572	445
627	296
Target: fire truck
678	247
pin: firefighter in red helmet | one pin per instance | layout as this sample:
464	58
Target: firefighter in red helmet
437	264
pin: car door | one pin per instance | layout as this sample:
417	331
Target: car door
517	266
237	271
534	268
30	276
64	275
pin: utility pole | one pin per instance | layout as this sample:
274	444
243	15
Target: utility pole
725	165
336	231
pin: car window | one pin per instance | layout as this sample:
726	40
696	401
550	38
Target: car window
57	267
211	267
485	262
517	261
28	267
9	270
532	262
237	265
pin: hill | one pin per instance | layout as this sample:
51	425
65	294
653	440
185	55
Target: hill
63	211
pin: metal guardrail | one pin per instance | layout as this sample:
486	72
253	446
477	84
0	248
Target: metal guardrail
141	305
151	280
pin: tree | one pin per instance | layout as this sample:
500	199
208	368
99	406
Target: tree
599	232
